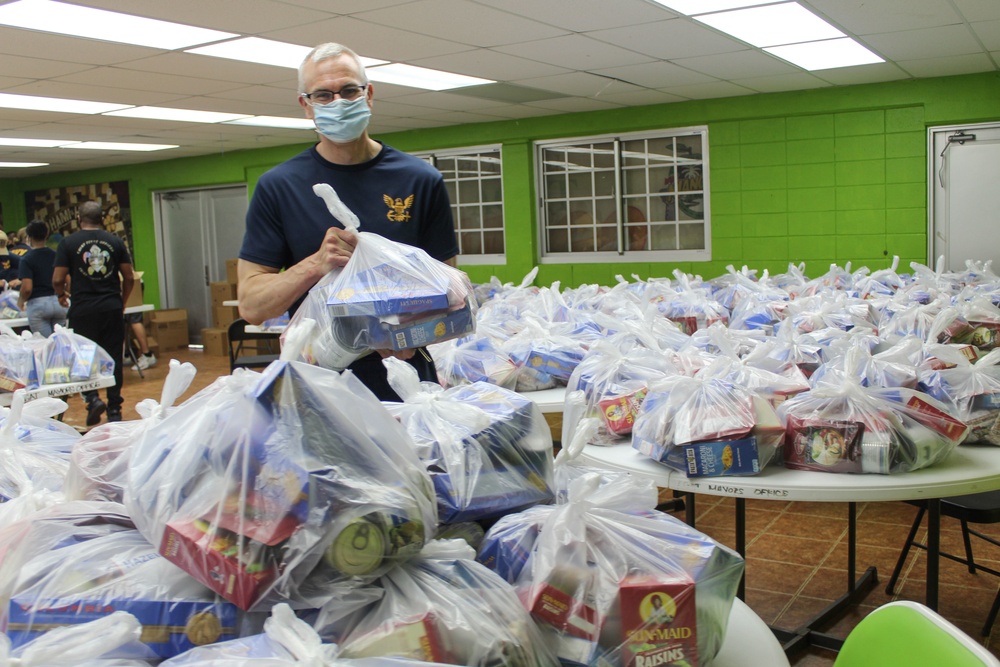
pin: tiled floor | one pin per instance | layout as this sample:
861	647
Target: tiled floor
796	551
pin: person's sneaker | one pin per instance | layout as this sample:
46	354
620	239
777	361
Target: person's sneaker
95	409
114	416
150	359
144	362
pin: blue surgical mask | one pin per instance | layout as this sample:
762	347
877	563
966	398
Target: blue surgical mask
342	121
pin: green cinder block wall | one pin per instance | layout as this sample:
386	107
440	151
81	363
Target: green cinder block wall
821	176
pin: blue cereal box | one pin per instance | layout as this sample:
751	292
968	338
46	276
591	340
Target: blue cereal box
434	328
386	290
168	627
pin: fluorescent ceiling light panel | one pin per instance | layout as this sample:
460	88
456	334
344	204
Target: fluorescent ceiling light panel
692	7
34	103
116	146
275	121
33	143
19	165
66	19
183	115
266	52
772	25
421	77
827	54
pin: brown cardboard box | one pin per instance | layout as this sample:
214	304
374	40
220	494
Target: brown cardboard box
170	327
215	341
232	276
135	297
222	292
223	316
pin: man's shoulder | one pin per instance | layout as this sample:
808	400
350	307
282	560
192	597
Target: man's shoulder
398	159
291	167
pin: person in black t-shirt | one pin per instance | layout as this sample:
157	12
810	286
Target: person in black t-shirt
38	297
18	242
88	263
8	266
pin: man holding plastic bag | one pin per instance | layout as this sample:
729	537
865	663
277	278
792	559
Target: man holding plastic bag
393	194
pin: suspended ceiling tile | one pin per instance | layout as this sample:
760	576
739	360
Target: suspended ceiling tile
575	105
642	98
241	17
656	75
864	17
738	65
517	111
468	22
82	91
580	84
584	15
490	64
874	73
345	6
988	33
670	39
704	91
782	82
968	64
226	73
462	117
285	97
412	124
33	44
577	52
939	42
38	68
149	86
979	10
449	102
389	42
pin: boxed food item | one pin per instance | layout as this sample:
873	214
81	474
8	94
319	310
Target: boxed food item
387	289
659	620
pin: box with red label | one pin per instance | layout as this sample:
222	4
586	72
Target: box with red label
825	445
619	412
418	640
238	568
936	419
659	621
563	602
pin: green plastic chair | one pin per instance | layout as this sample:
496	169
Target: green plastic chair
909	633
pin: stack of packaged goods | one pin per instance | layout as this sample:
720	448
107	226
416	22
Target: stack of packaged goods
84	645
612	581
970	390
488	450
28	361
19	361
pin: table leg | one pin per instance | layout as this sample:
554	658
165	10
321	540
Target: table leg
741	543
689	513
852	543
933	550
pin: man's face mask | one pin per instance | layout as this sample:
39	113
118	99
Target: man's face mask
342	121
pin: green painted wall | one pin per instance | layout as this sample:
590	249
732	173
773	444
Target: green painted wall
821	176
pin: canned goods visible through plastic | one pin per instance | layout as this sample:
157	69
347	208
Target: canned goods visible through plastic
359	549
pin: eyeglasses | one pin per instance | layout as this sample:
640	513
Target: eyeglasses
324	97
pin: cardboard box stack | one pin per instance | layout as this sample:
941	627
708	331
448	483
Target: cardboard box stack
216	338
170	328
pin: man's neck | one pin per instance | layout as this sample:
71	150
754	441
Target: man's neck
89	227
356	152
36	244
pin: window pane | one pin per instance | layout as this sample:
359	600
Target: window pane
607	239
582	240
689	147
468	192
634	153
692	207
468	167
690	178
555	186
580	184
606	213
555	160
452	191
581	214
493	243
661	151
490	163
580	157
556	214
558	240
635	182
446	165
492	190
471	243
493	217
470	218
635	209
604	156
604	183
663	237
692	237
636	236
669	211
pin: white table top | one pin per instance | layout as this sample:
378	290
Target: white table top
231	302
18	322
968	469
749	642
139	309
276	329
547	400
56	390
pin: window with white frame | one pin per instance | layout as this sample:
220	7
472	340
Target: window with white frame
474	179
642	195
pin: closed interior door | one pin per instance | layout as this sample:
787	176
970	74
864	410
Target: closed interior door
197	231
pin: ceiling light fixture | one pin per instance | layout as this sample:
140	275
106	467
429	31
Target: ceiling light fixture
826	54
33	143
692	7
182	115
118	146
772	25
265	52
66	19
275	121
22	165
421	77
35	103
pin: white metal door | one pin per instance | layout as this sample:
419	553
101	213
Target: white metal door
964	206
196	232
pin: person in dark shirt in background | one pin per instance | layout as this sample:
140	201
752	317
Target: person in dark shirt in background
38	297
19	242
8	266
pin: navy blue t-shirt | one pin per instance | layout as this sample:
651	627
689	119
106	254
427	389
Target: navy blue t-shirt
394	194
37	266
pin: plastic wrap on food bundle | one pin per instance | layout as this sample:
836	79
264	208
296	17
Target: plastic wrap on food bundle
837	311
614	377
971	392
99	462
883	282
69	357
544	358
718	338
616	586
441	607
315	324
794	280
82	561
274	477
707	427
84	645
894	366
20	360
971	322
34	447
475	358
855	429
692	308
759	311
488	450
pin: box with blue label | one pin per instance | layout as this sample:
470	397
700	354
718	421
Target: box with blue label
169	627
386	290
435	328
722	457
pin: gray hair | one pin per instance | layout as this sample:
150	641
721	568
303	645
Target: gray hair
325	52
91	211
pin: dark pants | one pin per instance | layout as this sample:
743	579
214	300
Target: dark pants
371	371
107	329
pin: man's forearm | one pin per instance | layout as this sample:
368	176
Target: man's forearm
263	294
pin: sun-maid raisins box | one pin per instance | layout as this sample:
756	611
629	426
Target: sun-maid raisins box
659	624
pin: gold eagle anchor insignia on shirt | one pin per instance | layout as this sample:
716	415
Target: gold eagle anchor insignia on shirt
398	208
